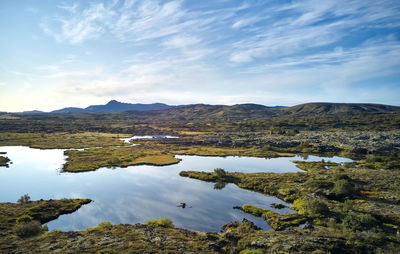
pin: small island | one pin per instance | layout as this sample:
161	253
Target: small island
4	161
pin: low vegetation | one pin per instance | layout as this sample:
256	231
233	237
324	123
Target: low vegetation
165	223
276	220
61	140
23	220
24	199
315	165
352	209
143	154
4	161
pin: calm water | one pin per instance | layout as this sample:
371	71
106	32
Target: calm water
127	140
139	193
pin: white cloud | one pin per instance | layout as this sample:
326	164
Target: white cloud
243	22
149	20
217	54
70	8
88	24
181	41
312	24
32	10
48	68
68	75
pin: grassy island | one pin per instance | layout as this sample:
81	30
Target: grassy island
4	161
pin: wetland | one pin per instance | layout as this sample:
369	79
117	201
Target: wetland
139	193
246	187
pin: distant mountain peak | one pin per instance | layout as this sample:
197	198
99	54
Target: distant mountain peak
113	102
115	106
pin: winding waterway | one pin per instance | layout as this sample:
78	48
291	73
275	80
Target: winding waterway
139	193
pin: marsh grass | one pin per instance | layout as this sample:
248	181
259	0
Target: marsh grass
62	140
92	159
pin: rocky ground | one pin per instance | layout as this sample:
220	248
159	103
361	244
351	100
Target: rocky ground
361	142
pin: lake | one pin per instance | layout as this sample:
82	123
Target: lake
139	193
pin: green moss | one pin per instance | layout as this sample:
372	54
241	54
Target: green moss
274	219
165	223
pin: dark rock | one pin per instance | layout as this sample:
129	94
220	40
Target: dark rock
250	224
308	226
214	247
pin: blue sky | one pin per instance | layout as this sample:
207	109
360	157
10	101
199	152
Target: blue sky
77	53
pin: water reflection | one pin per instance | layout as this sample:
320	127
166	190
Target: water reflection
138	193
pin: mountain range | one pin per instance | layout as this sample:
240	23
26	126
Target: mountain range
111	106
162	111
256	111
116	106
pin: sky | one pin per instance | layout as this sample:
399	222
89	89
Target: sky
55	54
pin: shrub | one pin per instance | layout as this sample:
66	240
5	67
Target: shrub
24	199
319	252
348	205
299	205
113	161
291	198
278	205
286	191
105	224
311	208
165	223
340	176
360	221
250	251
31	228
343	188
220	172
318	184
316	208
24	219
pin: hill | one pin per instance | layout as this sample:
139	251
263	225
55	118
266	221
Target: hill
325	108
207	112
255	111
163	112
33	112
